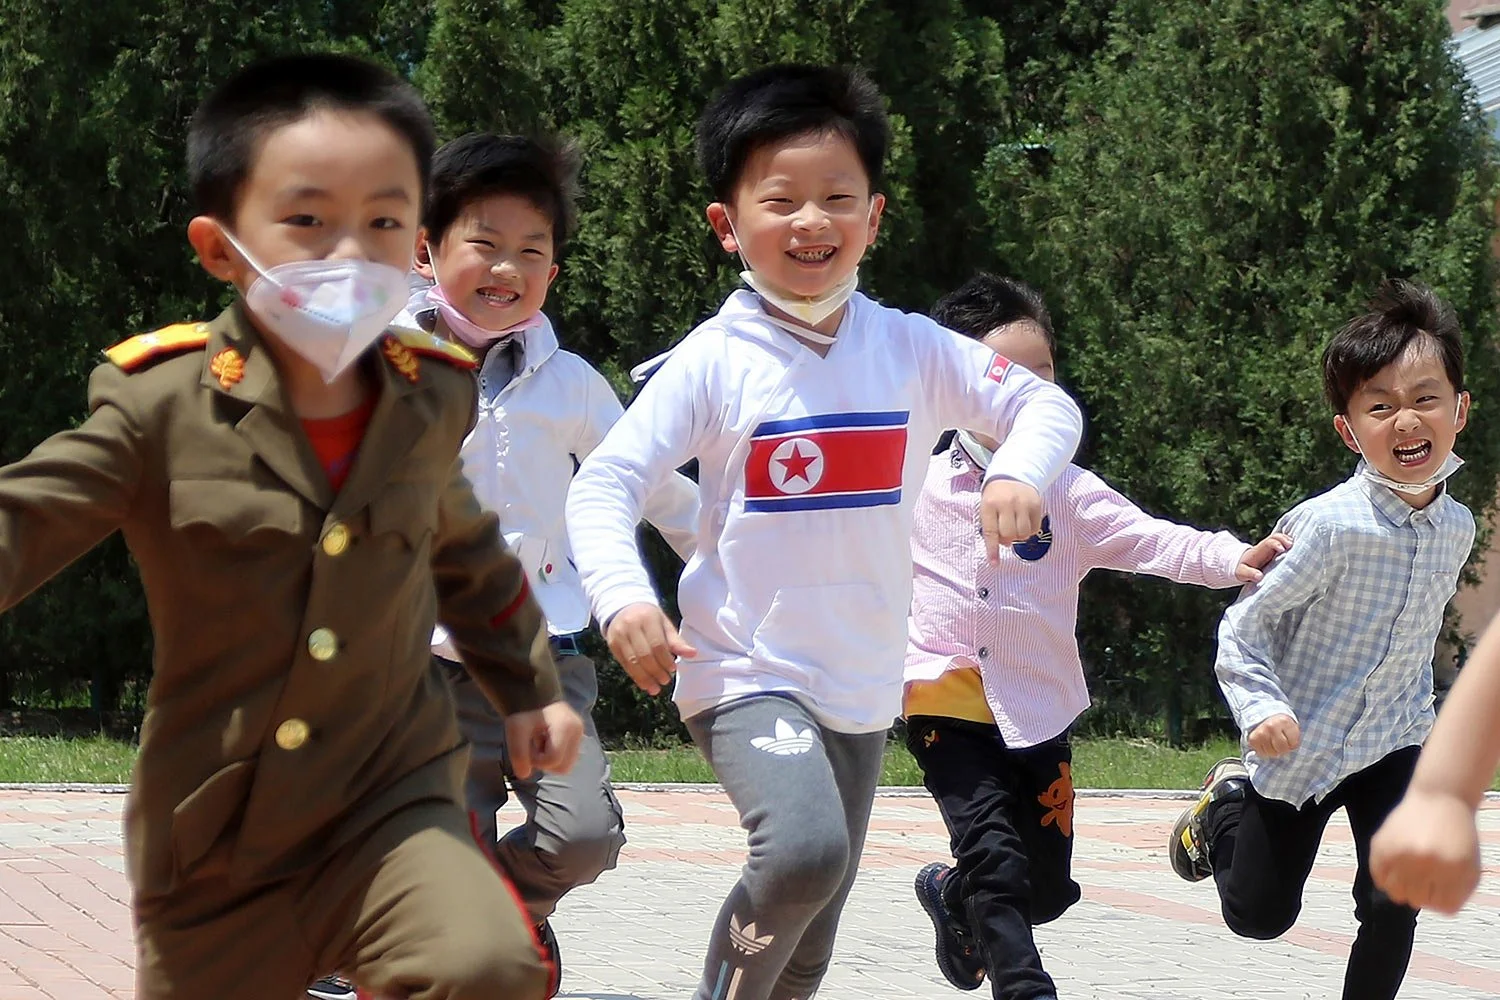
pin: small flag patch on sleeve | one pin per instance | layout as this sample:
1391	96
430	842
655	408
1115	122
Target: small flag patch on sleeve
998	369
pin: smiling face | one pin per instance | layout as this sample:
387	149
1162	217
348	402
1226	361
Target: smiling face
802	213
1405	419
495	262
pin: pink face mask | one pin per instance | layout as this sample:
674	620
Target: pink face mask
467	330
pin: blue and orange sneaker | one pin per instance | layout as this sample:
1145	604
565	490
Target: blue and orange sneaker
958	955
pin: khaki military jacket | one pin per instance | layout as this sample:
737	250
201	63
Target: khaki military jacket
293	701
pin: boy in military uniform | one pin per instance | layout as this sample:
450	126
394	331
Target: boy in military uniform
286	479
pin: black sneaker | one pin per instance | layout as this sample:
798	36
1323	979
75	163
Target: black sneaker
958	956
548	941
332	988
1188	848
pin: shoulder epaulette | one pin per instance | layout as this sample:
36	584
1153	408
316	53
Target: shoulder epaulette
131	354
421	342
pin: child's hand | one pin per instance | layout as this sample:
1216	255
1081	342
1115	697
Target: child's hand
647	645
546	739
1427	853
1008	512
1258	555
1278	735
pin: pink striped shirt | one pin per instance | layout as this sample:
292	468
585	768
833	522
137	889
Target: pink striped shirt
1015	622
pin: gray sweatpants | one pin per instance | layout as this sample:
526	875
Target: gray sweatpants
574	828
804	794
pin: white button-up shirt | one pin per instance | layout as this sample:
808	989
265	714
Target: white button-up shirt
1341	632
542	410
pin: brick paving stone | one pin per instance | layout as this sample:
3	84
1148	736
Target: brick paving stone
639	933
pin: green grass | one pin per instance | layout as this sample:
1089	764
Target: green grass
90	759
1113	763
1097	763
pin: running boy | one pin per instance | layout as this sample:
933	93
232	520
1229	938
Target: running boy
811	410
499	211
285	476
1427	853
993	674
1327	663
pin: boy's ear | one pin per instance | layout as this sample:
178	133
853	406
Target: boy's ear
1341	424
718	218
214	252
422	256
551	275
877	208
1462	420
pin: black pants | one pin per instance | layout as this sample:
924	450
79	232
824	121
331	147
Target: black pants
1010	816
1262	852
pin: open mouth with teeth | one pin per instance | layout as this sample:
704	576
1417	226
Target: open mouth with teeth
812	255
1413	453
495	296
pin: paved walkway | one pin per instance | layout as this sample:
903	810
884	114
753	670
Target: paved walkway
1139	934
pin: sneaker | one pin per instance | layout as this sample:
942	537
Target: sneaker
1188	848
332	988
548	941
958	957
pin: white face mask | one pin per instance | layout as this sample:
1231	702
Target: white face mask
1450	465
809	311
328	311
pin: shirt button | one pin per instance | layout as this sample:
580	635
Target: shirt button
292	734
984	652
323	644
983	592
337	540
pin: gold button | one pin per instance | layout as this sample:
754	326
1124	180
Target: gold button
292	733
337	540
323	644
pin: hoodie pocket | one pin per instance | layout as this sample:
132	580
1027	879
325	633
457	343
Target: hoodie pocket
831	625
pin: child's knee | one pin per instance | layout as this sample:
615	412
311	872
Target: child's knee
809	868
1371	906
1263	922
585	855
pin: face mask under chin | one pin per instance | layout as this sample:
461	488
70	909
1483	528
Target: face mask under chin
806	310
1450	465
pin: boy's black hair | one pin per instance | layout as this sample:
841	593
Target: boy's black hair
542	170
225	133
986	302
1400	312
779	102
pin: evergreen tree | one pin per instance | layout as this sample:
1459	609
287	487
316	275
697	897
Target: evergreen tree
1230	184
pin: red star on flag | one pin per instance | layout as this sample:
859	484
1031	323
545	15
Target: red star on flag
796	464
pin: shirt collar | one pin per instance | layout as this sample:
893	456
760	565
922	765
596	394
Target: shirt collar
1396	510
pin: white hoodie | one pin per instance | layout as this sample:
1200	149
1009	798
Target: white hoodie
808	469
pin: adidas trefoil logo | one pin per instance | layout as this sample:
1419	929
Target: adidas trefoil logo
744	937
787	742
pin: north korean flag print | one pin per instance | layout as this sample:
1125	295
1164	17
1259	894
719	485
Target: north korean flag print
826	462
998	369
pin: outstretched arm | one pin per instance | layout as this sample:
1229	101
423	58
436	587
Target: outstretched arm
1427	853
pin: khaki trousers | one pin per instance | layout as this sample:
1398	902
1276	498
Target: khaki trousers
413	911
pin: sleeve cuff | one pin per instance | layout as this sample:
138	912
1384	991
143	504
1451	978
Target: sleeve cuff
616	601
1261	711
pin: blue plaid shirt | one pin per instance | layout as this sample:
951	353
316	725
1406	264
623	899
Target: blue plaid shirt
1340	634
